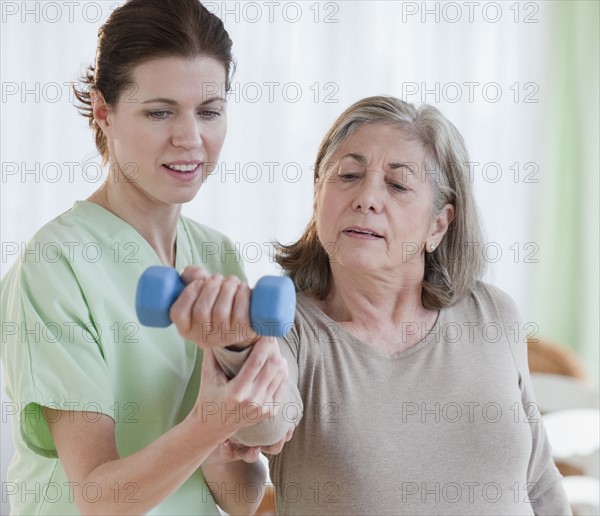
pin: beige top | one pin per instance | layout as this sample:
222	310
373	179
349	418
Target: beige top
449	426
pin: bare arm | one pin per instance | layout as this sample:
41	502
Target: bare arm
213	312
87	447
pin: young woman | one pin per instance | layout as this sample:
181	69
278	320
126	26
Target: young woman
114	416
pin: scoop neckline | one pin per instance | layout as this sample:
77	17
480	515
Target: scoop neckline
362	346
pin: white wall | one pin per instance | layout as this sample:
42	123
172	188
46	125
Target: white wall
485	71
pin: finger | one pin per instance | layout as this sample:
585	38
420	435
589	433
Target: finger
250	455
241	312
253	364
181	310
274	389
282	377
279	398
276	448
223	305
202	309
193	273
273	374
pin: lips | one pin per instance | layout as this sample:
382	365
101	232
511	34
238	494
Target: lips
184	167
367	232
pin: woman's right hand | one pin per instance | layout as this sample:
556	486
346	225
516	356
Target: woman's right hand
255	394
213	310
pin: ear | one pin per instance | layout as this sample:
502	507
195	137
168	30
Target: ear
100	111
440	224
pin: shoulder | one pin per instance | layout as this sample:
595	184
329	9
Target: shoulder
49	245
63	228
311	325
72	243
202	233
309	314
488	302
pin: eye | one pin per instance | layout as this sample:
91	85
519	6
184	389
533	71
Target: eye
161	114
210	114
398	187
348	176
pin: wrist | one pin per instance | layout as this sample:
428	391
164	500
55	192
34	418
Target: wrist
241	346
205	425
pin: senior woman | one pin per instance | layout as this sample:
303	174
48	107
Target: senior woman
413	373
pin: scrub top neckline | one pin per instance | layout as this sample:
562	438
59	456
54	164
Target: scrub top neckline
117	224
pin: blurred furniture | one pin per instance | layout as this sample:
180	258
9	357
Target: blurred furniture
550	358
267	506
569	409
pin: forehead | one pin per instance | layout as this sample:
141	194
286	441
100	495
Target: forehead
180	76
382	141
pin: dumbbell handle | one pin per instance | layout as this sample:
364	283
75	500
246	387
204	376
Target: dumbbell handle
272	302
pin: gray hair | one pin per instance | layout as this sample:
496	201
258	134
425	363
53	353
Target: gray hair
453	268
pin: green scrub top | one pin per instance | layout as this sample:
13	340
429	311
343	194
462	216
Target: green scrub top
71	341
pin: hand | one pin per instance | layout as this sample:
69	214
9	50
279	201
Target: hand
228	451
275	449
253	395
213	310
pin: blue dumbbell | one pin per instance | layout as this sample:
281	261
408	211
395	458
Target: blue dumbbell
272	302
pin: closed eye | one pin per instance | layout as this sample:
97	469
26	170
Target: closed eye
398	187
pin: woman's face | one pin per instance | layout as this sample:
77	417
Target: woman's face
166	131
374	210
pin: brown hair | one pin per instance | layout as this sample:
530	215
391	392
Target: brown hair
141	30
450	272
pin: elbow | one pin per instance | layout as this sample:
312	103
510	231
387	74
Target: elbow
244	508
271	430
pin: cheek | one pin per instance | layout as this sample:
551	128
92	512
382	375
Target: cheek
134	139
322	219
215	138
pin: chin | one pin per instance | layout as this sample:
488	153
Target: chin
179	198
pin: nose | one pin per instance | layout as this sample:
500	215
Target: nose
369	194
187	132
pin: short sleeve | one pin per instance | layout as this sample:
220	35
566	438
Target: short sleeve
51	349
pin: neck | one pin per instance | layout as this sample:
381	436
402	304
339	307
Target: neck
384	311
371	299
155	221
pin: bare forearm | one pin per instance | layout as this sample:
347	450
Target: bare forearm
238	486
137	483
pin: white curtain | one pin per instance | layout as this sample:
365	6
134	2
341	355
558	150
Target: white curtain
299	65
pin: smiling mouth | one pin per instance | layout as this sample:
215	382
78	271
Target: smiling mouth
185	169
363	232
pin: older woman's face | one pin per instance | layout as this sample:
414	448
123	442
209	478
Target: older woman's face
374	211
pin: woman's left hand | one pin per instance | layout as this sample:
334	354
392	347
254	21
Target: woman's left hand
232	450
229	451
275	449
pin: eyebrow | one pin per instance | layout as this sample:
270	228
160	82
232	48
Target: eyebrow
393	166
171	102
